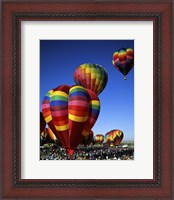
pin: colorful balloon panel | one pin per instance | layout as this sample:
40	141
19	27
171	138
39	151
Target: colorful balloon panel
46	110
123	60
98	139
59	108
114	137
94	110
51	134
78	107
91	76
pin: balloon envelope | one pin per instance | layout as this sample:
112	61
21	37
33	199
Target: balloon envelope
71	111
91	76
114	137
88	138
123	60
98	139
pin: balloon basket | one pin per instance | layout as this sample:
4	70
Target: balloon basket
125	78
70	153
71	157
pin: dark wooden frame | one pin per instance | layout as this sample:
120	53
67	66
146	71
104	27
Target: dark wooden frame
161	14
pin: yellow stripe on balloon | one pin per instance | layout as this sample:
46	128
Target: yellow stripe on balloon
51	134
82	66
97	81
60	93
100	86
62	128
115	53
75	87
95	102
119	133
93	75
88	70
50	92
93	71
48	119
77	118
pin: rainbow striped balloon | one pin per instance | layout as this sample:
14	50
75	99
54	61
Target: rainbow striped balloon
114	137
123	60
91	76
70	110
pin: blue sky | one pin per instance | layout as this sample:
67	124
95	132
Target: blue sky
60	58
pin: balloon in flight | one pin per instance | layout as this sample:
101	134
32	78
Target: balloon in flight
123	60
91	76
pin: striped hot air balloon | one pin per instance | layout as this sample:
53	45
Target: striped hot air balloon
98	139
114	137
91	76
123	60
70	111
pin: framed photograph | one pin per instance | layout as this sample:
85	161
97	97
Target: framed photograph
87	100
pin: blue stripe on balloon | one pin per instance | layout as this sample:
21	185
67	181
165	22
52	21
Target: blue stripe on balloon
58	103
79	93
46	98
94	111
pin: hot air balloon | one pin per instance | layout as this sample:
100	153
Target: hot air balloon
42	123
123	60
70	111
98	139
114	137
88	138
91	76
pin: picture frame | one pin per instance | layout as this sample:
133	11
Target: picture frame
13	13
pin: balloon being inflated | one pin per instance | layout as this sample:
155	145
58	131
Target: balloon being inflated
88	138
98	139
70	112
114	137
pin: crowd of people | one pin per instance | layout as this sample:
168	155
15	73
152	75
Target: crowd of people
92	152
